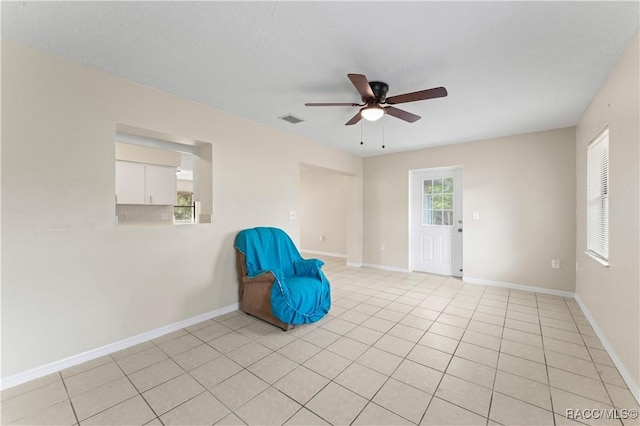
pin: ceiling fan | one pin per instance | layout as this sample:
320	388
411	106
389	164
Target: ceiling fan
376	104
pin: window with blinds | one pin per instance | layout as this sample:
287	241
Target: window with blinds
598	197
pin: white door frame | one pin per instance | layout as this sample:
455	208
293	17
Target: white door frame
458	260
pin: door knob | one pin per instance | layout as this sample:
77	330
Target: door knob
459	229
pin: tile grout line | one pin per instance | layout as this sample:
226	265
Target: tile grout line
269	385
546	365
613	404
42	408
137	390
595	364
370	400
451	359
495	375
73	408
169	357
453	354
208	390
497	369
184	372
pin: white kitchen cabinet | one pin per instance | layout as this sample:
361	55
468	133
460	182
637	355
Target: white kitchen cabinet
129	183
138	183
160	185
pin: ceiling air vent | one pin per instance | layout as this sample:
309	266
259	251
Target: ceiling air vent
291	119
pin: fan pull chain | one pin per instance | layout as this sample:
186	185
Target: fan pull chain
384	120
361	142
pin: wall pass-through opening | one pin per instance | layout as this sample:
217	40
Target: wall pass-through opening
161	181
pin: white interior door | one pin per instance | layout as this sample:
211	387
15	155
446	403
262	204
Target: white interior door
436	221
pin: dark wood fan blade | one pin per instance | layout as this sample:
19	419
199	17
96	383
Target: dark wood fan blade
354	119
331	104
362	86
401	114
437	92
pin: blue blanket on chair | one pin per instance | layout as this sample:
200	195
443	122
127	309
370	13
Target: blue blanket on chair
301	292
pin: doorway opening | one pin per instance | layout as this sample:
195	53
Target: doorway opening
323	210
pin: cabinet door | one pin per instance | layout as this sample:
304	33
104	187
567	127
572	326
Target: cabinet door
129	183
160	185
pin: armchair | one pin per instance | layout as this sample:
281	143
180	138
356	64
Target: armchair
277	284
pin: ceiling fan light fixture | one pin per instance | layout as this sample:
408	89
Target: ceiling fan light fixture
374	94
372	113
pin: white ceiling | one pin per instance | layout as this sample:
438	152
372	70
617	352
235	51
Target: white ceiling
509	67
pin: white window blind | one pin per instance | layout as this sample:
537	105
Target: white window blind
598	196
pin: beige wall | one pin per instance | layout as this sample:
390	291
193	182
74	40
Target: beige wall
185	186
522	186
323	211
71	280
612	294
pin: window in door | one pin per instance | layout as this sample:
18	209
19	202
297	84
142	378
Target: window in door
437	202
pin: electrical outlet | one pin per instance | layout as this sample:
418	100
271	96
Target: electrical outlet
555	263
321	237
476	215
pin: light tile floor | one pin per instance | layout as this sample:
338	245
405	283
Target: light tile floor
395	349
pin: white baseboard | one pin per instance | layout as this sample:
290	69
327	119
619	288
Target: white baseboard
633	386
324	253
543	290
354	264
35	373
386	268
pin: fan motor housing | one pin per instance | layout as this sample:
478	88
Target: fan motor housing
379	89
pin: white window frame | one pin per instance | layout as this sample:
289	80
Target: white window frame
442	210
598	198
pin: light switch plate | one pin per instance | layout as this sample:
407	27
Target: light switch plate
292	214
